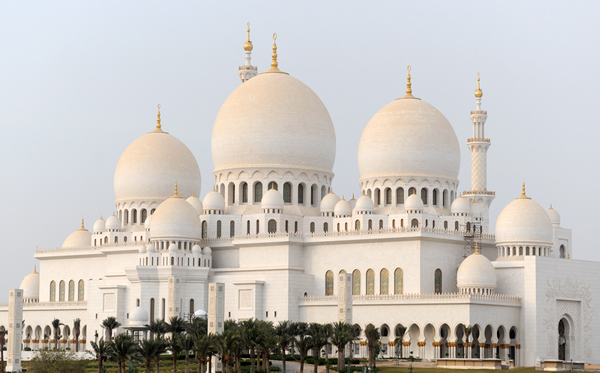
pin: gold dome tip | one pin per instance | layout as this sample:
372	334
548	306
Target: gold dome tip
476	249
523	195
176	195
82	225
193	195
408	86
158	126
274	64
352	195
478	92
248	45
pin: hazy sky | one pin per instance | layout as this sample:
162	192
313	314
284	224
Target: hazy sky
80	80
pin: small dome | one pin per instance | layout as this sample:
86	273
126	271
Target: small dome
195	201
461	205
151	248
342	208
148	222
476	271
201	313
328	202
353	202
273	199
173	247
138	317
113	223
522	222
197	249
414	202
31	285
175	217
554	216
80	238
476	210
364	203
99	225
142	249
214	201
207	251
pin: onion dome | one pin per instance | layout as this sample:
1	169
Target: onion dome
201	313
80	238
461	205
328	203
151	164
138	317
197	249
554	216
342	209
150	248
409	138
113	223
273	199
148	222
31	285
195	201
476	274
175	218
207	250
142	249
414	204
213	201
99	225
364	205
524	222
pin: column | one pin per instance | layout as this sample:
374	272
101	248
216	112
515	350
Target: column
517	355
15	332
216	316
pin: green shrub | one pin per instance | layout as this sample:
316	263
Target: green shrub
57	361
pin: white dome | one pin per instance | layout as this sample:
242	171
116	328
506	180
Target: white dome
364	203
273	199
214	201
173	247
99	225
522	222
175	217
273	120
113	223
328	202
138	317
554	216
461	205
413	202
31	285
151	248
201	313
197	249
207	250
476	271
152	164
142	249
148	222
80	238
353	202
409	137
343	207
195	201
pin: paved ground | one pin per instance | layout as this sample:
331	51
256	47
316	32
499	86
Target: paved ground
292	366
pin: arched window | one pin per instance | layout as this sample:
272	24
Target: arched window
286	227
204	230
346	227
445	198
357	225
163	308
438	281
244	192
231	193
151	309
412	191
232	228
329	283
384	277
370	282
455	225
312	227
401	223
172	260
325	227
424	195
295	227
468	226
106	239
370	224
313	194
338	227
380	224
52	291
218	229
434	196
116	239
80	291
562	251
445	225
398	281
388	196
377	197
258	192
272	226
144	213
414	223
134	216
71	291
272	185
61	291
287	193
393	223
192	309
126	217
400	196
257	226
248	227
356	282
300	194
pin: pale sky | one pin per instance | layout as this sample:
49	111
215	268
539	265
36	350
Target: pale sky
80	81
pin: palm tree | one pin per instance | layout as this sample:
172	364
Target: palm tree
226	345
56	324
342	334
197	327
251	335
283	339
400	330
125	349
110	323
2	342
173	346
267	342
176	325
76	332
302	342
157	328
319	337
372	336
204	346
103	352
468	331
186	343
151	349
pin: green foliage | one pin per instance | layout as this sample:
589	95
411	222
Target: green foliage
56	361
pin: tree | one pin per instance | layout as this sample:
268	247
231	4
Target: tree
157	328
283	340
150	350
468	331
302	342
2	342
319	336
103	350
342	334
110	323
204	346
173	346
372	336
251	336
186	342
197	327
400	330
176	325
76	332
267	343
125	349
226	345
56	324
56	361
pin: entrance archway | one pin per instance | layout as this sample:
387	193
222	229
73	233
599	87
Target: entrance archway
564	336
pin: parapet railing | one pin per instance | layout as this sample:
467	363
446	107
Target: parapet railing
50	304
411	297
448	232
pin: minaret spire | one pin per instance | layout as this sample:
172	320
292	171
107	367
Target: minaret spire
408	86
248	71
274	64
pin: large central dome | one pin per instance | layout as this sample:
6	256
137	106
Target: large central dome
273	120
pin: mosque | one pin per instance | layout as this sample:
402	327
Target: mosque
419	250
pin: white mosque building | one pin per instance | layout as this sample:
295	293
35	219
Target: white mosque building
419	250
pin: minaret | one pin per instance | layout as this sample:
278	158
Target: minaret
248	71
479	145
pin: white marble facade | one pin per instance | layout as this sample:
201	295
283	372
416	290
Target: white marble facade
274	233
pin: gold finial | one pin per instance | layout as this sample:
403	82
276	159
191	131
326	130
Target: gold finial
342	196
476	248
408	85
478	92
176	190
248	45
568	256
34	268
158	126
193	195
352	195
82	223
523	195
274	65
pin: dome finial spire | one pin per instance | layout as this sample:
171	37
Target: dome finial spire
248	45
478	92
82	223
408	85
476	248
523	195
34	268
158	126
176	190
274	64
